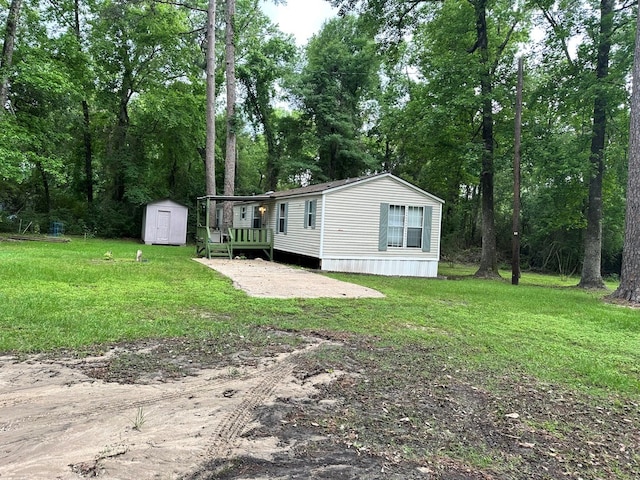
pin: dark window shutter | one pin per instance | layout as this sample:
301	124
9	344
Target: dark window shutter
384	226
315	212
426	229
286	217
306	213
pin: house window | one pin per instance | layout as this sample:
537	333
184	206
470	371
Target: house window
404	227
243	213
282	218
310	207
414	227
396	226
257	217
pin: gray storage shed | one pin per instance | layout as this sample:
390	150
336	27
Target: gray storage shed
164	222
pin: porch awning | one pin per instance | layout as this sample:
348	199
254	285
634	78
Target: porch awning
234	198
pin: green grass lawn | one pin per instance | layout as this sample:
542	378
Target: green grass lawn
67	295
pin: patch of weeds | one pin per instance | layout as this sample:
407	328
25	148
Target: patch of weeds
552	427
475	456
139	419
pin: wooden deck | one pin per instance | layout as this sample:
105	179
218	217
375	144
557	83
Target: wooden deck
251	239
215	244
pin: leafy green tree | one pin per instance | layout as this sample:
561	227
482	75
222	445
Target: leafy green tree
39	132
591	83
170	125
267	58
138	46
481	35
341	69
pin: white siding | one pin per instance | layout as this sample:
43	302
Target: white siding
300	240
352	221
247	221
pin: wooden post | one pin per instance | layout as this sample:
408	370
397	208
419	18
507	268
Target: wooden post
515	261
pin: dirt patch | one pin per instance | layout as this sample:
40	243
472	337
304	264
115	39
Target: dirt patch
125	414
259	278
280	405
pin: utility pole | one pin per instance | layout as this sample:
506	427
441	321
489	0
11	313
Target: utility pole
515	261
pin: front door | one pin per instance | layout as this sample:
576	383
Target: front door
257	217
163	225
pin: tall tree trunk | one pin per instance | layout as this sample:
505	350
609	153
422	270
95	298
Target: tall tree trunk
7	51
591	276
45	188
488	260
230	157
210	142
86	130
629	288
515	258
88	152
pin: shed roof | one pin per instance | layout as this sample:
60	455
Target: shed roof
167	200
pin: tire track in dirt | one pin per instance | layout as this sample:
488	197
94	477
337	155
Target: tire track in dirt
215	385
230	428
49	422
227	435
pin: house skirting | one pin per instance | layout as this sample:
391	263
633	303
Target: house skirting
382	266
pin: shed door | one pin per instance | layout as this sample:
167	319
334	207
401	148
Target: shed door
163	224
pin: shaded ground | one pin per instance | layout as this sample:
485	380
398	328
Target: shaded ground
278	405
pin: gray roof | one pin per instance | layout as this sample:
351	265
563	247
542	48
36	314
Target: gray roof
321	187
316	188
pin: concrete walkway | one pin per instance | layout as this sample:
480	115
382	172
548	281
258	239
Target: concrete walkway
260	278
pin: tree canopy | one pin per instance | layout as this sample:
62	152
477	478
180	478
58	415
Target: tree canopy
106	107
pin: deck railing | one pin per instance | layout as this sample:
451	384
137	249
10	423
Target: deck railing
251	238
210	243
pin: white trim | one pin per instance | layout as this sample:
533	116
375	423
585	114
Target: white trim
324	204
369	257
384	175
360	181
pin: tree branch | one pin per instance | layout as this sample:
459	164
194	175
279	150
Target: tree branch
60	14
556	28
502	46
181	4
625	5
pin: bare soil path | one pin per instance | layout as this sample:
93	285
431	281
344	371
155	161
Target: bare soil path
56	422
